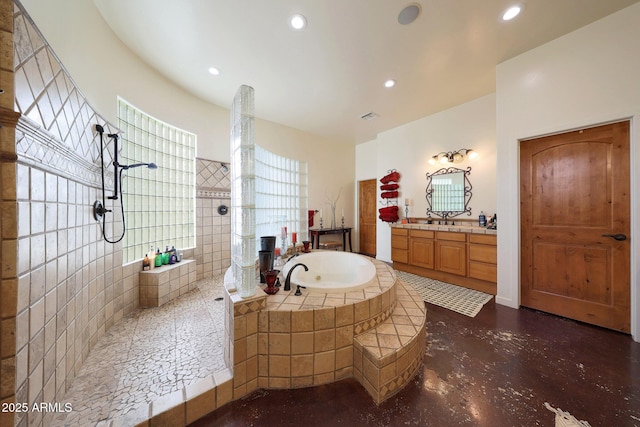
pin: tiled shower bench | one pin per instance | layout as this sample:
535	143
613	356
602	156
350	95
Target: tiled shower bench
163	284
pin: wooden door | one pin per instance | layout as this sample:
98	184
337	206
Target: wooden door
367	216
574	196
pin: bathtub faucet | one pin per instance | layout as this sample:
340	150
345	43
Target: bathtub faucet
287	282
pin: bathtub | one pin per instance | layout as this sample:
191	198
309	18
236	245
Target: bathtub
331	271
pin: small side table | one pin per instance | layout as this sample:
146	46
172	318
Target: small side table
317	232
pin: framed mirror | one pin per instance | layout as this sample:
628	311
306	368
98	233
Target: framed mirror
449	192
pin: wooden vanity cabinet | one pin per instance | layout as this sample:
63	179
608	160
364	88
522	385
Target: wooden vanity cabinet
483	257
422	248
400	245
464	259
451	253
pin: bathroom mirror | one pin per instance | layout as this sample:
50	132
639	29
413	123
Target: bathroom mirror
449	192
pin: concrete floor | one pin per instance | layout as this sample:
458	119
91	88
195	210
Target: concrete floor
497	369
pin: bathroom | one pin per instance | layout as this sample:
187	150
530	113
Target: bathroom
104	292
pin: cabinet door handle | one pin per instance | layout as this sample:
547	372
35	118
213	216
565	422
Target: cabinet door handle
618	237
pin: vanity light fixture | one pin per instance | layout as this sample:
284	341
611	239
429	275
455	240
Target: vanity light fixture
453	156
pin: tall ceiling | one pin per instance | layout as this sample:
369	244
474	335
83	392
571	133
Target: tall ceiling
324	78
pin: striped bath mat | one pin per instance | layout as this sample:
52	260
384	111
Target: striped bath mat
456	298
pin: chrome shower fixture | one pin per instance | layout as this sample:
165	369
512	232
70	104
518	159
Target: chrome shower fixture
99	210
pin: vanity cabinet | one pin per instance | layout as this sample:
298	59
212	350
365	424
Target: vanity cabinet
483	257
462	258
400	245
451	253
422	248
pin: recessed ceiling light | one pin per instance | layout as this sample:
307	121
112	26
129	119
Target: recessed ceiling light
409	14
511	13
390	83
214	71
297	21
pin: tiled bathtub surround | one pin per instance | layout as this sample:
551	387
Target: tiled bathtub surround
285	341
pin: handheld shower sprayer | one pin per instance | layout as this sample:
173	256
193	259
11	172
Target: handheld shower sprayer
99	210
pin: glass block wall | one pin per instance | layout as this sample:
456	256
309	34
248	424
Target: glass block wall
159	203
268	192
243	223
281	196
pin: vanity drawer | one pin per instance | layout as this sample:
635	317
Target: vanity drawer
399	242
423	234
483	253
451	236
399	232
484	239
482	271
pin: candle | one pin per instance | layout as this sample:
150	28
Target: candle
277	251
320	213
406	202
294	237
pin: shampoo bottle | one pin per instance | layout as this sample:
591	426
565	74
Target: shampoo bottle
158	259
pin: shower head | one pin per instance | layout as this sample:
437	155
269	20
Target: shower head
137	165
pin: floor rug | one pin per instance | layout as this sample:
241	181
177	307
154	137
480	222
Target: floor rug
456	298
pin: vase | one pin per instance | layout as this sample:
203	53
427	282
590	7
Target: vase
333	217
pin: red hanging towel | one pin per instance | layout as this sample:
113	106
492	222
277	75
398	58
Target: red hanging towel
391	177
388	214
389	195
389	187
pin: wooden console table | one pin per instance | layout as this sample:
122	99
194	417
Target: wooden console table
317	232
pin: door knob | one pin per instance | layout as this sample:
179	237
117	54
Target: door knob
619	237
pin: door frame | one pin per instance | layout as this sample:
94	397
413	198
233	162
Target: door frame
508	288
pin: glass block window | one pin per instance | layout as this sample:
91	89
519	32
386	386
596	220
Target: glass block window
159	204
281	197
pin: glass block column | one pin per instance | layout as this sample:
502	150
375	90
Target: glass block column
243	222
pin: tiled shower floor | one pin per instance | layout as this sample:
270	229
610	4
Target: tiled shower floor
151	353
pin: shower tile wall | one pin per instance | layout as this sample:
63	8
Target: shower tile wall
213	231
63	287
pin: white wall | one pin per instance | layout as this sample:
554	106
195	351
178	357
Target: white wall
104	68
408	149
584	78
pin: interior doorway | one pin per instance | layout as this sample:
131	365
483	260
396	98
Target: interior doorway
575	225
367	216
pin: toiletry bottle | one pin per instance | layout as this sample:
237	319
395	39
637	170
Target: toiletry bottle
482	220
152	258
146	264
158	259
173	258
165	256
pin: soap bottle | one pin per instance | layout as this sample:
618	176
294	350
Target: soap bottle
165	256
146	264
173	258
482	220
158	259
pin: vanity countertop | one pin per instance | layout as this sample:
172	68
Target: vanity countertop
439	227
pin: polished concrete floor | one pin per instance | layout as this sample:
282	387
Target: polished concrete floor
497	369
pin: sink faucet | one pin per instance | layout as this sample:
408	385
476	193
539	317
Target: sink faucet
287	282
